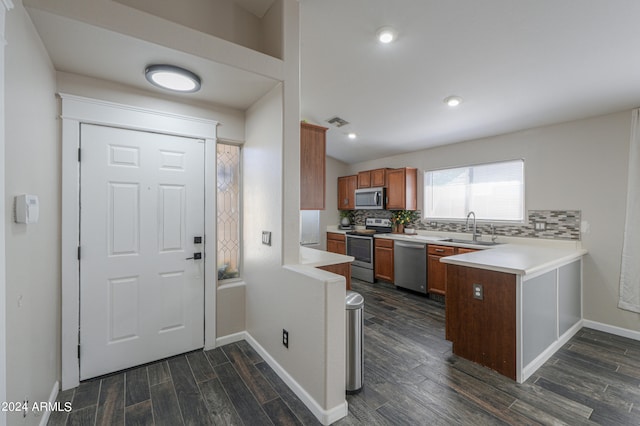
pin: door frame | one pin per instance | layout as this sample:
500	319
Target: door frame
5	6
77	110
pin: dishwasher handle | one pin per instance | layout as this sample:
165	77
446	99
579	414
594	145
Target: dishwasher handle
411	246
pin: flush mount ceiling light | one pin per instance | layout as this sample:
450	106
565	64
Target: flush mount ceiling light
352	136
172	78
453	101
386	35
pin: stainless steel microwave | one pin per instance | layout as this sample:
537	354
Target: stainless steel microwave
370	198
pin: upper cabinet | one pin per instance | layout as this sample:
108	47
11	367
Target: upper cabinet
346	192
312	166
372	178
402	185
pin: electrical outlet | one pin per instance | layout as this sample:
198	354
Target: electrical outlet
478	292
285	338
540	226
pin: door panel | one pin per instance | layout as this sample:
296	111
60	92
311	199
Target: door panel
142	202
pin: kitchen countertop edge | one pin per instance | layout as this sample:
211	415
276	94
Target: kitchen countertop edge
515	259
315	258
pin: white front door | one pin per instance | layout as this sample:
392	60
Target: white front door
141	205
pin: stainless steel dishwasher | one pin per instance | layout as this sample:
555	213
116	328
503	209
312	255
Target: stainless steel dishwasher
410	265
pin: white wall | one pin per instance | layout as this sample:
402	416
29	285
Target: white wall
278	298
32	251
578	165
221	18
231	120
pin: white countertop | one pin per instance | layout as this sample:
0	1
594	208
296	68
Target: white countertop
313	257
521	256
517	259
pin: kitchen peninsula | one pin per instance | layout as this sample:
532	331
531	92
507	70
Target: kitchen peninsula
510	308
332	262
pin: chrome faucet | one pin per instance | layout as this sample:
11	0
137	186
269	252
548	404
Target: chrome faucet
475	236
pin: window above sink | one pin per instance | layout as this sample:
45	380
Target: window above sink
494	191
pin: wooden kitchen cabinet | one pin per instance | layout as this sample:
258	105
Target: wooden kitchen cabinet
383	259
372	178
402	189
482	330
312	166
437	271
336	243
343	269
346	192
364	179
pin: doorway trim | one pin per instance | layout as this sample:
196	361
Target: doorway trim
77	110
5	6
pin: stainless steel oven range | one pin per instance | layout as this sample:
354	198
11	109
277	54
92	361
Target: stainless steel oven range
360	246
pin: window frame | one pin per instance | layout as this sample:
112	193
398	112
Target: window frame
239	278
427	219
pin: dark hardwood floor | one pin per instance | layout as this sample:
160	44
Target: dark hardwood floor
411	378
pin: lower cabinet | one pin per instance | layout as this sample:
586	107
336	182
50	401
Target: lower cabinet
343	269
336	243
383	259
483	330
436	271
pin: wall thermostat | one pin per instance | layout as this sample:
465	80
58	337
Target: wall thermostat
27	208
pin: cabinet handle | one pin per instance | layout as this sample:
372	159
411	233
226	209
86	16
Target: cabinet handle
439	250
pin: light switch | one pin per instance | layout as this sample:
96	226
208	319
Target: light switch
266	238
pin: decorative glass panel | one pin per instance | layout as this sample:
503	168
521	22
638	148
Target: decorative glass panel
228	167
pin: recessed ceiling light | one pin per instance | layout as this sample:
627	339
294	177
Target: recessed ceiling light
386	35
172	78
352	136
453	101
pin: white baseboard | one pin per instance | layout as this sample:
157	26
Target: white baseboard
52	399
531	368
326	417
230	338
612	329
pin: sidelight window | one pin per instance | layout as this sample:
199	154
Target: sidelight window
228	229
493	191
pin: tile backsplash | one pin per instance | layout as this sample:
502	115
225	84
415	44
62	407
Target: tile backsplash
558	224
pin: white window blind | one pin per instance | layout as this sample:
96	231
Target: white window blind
494	192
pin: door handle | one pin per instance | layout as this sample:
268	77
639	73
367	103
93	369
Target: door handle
196	256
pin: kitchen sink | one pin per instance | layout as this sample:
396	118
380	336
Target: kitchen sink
473	243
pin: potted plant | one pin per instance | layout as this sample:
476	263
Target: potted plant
402	218
346	217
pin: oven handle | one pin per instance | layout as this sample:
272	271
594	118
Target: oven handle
360	237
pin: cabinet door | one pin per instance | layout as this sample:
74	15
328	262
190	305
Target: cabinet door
336	243
402	189
383	263
378	178
364	179
395	189
312	166
462	250
346	192
436	275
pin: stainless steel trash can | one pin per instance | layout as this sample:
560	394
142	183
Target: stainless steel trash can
354	308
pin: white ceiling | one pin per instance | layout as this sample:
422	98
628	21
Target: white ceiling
84	49
516	64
